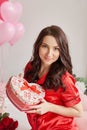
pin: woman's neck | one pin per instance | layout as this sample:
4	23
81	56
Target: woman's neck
43	70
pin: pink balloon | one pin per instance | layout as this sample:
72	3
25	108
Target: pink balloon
7	31
1	1
19	32
1	43
82	121
84	101
1	21
11	12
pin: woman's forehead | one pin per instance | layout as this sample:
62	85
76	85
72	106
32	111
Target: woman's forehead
50	40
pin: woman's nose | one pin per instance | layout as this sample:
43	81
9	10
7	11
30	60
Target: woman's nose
50	52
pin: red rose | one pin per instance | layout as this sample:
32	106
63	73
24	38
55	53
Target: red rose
7	122
1	126
14	125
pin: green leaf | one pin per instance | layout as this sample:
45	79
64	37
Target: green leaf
3	115
81	79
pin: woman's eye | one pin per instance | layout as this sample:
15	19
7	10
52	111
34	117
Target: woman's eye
56	48
44	46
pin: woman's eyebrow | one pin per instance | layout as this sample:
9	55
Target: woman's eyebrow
48	45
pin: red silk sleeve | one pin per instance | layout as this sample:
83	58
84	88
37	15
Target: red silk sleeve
70	96
26	69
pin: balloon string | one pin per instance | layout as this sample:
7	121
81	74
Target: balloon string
2	84
2	64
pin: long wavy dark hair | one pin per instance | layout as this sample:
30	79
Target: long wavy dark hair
58	68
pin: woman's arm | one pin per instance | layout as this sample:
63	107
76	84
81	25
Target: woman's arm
44	107
74	111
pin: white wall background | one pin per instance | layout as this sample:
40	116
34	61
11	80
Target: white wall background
70	15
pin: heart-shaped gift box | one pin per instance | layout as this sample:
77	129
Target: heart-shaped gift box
23	94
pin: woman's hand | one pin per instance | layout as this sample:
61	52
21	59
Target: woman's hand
20	75
42	108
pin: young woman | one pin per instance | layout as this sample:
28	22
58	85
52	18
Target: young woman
51	67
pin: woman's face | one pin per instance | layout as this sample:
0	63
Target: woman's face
49	50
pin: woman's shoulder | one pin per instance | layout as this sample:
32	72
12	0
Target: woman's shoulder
28	66
68	78
70	96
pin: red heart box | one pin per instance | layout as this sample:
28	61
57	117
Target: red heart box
23	94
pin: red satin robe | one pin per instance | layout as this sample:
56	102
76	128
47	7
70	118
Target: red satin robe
68	98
